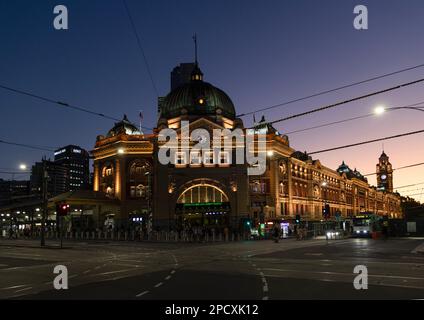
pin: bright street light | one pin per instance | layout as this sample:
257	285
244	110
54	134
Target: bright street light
379	110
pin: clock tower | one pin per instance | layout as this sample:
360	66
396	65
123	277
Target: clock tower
384	174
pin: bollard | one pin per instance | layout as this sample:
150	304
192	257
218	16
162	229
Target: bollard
125	235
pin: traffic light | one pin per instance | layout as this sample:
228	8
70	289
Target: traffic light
62	209
326	211
297	218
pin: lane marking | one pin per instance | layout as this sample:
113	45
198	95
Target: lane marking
158	284
15	287
168	277
142	294
344	273
118	271
29	288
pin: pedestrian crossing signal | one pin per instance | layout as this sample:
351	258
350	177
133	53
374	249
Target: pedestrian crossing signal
62	209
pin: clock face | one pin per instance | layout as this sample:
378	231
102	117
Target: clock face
383	177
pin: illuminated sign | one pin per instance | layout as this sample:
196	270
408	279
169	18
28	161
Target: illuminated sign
59	152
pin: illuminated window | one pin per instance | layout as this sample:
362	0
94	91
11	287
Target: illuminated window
224	158
107	171
208	158
195	159
202	194
180	158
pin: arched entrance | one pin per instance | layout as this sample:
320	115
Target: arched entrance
202	204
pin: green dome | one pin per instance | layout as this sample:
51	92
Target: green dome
198	98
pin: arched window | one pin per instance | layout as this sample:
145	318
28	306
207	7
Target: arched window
202	193
107	170
139	178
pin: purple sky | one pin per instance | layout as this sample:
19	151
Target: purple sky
259	52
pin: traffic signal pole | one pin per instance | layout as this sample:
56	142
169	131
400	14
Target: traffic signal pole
44	213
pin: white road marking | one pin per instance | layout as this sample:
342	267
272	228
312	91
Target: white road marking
344	273
142	294
15	287
29	288
168	277
173	271
158	284
118	271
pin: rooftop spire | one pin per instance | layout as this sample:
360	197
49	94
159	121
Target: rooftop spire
195	48
197	74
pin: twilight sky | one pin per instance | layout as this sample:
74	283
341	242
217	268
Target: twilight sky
260	52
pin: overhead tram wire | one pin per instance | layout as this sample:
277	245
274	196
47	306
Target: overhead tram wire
42	148
62	104
14	173
410	185
140	46
400	168
346	101
331	90
367	142
418	104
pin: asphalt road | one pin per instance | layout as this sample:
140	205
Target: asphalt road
257	270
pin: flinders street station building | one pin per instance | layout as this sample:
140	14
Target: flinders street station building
131	185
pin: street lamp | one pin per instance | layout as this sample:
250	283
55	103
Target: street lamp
379	110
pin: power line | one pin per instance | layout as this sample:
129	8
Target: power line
351	119
51	149
140	46
330	124
412	190
17	172
417	194
400	168
332	90
410	185
346	101
61	103
367	142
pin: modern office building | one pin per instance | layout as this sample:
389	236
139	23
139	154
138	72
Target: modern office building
57	181
76	160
